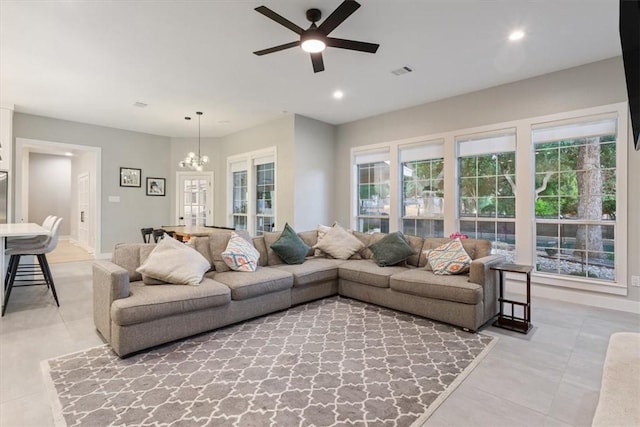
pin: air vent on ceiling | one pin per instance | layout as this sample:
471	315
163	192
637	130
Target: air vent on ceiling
140	104
401	71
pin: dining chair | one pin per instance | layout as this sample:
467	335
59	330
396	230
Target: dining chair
17	272
146	234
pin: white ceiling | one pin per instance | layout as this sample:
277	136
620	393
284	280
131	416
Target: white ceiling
90	61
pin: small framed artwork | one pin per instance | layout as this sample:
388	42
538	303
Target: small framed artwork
130	177
155	186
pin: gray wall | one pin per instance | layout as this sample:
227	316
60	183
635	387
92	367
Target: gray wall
50	189
277	133
314	185
121	222
586	86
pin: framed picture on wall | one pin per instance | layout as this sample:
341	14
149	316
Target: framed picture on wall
130	177
155	186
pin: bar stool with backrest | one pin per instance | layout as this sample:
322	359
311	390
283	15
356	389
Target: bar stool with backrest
17	272
46	224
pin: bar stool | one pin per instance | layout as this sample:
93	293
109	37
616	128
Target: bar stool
47	224
39	250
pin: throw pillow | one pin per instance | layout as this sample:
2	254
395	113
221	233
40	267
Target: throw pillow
322	230
450	258
240	255
173	262
339	243
391	249
290	247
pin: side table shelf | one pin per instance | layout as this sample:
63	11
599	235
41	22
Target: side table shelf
512	321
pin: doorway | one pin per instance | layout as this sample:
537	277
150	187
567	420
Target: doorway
194	198
83	216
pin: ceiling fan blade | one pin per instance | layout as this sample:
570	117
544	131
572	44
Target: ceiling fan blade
338	16
317	62
352	45
279	19
277	48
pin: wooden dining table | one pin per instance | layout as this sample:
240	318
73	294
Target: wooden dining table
185	232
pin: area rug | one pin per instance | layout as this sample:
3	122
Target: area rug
327	363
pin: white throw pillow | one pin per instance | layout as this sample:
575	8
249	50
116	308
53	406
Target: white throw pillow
450	258
322	230
240	255
339	243
174	262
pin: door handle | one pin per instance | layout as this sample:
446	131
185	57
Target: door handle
82	216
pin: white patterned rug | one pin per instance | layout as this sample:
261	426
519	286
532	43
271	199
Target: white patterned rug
327	363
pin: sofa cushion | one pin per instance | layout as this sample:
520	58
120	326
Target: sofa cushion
127	256
339	243
174	262
261	246
313	270
240	254
270	238
391	249
427	284
416	244
262	281
147	303
290	247
368	273
450	258
310	238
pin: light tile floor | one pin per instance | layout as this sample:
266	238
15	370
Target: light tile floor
549	377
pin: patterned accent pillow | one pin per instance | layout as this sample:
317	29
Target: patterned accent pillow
450	258
240	255
391	249
290	247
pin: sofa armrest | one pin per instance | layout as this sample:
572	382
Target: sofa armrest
480	271
110	282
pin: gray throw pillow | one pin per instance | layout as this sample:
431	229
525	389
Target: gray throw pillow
290	247
391	249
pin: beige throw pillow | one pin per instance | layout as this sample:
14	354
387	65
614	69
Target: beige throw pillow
173	262
339	243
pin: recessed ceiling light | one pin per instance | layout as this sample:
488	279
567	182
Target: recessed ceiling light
516	35
338	94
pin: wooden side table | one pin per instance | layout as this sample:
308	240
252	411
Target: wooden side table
512	321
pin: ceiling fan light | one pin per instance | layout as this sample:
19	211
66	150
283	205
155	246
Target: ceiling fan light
313	45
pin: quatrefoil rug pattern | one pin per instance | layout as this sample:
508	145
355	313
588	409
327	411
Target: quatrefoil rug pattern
327	363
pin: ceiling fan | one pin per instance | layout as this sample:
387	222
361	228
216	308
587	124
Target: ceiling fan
316	38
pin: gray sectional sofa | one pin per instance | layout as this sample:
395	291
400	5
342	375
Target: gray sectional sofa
132	316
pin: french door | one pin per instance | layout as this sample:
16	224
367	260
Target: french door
195	198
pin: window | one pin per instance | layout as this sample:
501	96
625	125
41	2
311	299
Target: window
373	188
486	189
575	198
251	192
240	200
265	187
422	190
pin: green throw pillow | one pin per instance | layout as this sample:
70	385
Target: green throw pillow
391	249
290	247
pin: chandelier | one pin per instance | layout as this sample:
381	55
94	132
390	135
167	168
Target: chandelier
195	161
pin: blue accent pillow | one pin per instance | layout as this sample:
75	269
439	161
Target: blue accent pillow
391	249
290	247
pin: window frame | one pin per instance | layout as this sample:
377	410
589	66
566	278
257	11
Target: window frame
524	221
248	162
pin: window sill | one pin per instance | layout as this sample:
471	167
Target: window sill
573	283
